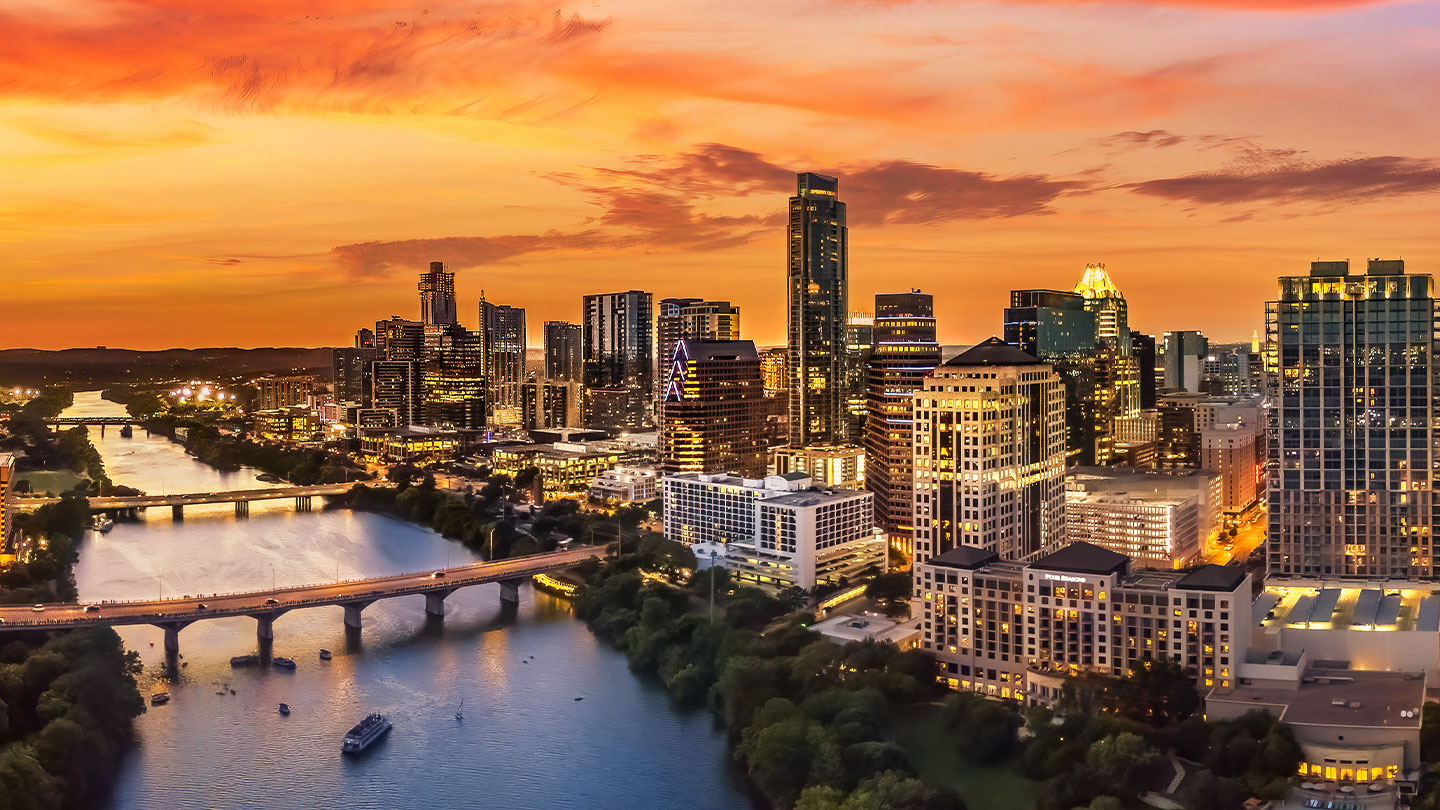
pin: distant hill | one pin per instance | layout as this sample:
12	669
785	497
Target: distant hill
98	366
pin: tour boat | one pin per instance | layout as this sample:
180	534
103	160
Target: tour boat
364	733
282	662
285	709
244	660
159	698
325	655
102	523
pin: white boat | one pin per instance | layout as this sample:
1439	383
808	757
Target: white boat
102	523
365	732
460	712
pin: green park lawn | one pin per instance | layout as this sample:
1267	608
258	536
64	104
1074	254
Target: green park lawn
56	481
919	730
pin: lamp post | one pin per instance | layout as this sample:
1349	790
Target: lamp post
272	575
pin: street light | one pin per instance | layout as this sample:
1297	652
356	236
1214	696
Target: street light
272	575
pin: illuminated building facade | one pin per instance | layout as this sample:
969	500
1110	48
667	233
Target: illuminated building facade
989	451
562	351
350	374
7	499
778	532
774	363
817	300
1154	531
1236	451
625	485
549	404
502	336
395	387
831	465
1352	423
712	417
619	369
1015	630
419	446
1058	328
566	469
437	296
287	425
695	318
1117	372
859	344
283	392
453	379
905	351
1202	488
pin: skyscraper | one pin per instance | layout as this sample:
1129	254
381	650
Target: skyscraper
562	351
350	370
859	343
695	318
1143	346
773	363
989	449
437	295
396	373
453	379
1117	374
817	297
1353	423
1185	353
905	351
712	416
502	342
1058	328
618	332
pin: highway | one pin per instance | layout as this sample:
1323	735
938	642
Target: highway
98	504
186	609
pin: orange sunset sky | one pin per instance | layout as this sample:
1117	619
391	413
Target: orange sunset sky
258	173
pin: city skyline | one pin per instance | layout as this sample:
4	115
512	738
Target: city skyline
358	144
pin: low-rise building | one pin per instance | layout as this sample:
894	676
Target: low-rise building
288	425
410	445
566	469
779	531
843	629
1153	531
1372	624
1016	630
624	485
834	465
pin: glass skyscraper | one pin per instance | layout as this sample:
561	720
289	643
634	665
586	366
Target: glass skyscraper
817	298
619	365
1352	423
502	336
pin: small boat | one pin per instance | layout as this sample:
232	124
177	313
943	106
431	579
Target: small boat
159	698
281	662
285	709
232	690
579	698
460	711
102	523
365	732
244	660
126	432
269	478
325	655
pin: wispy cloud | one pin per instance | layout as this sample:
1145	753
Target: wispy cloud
1292	180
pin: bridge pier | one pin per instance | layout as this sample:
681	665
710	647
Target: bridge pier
435	603
177	512
102	430
302	503
242	509
172	636
265	624
510	591
352	613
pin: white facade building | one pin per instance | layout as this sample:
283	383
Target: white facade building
625	485
778	532
1153	531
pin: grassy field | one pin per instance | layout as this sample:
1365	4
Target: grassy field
56	481
919	731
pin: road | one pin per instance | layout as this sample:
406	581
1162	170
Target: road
98	504
187	608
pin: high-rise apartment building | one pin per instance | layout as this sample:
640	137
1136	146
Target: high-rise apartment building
712	417
453	381
1058	328
817	298
350	374
395	387
618	341
437	296
905	351
502	337
400	339
549	404
774	364
1185	354
283	392
694	318
562	351
1151	373
989	451
7	499
859	344
1353	423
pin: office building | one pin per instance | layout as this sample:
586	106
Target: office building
502	336
989	451
395	387
1232	370
694	318
1183	418
1236	451
1201	488
1019	630
453	381
1058	328
1185	355
619	368
625	485
817	289
712	418
562	351
7	500
778	532
283	392
289	425
1117	372
364	338
420	446
546	404
1151	374
437	296
400	339
859	344
774	365
1153	531
905	352
1352	423
566	469
831	465
350	374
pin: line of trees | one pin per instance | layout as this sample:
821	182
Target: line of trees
301	466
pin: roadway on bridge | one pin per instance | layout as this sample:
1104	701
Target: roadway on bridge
184	609
99	504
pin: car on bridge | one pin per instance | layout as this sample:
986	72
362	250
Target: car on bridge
38	608
92	608
437	575
202	606
272	601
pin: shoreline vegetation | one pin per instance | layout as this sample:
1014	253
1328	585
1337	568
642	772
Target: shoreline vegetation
68	699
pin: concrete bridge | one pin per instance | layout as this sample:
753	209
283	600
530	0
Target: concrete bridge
101	421
240	497
174	615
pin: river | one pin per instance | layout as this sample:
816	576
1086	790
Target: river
526	740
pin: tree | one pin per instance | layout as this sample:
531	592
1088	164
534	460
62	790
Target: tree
1119	759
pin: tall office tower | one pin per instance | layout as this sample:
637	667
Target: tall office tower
1117	383
453	379
989	451
1185	354
694	318
859	344
400	339
364	338
549	404
395	387
905	351
1058	328
437	296
1353	423
562	351
502	342
617	346
7	500
1143	346
350	374
712	414
773	364
818	272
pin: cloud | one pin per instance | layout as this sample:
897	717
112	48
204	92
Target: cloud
887	191
1127	141
1292	180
